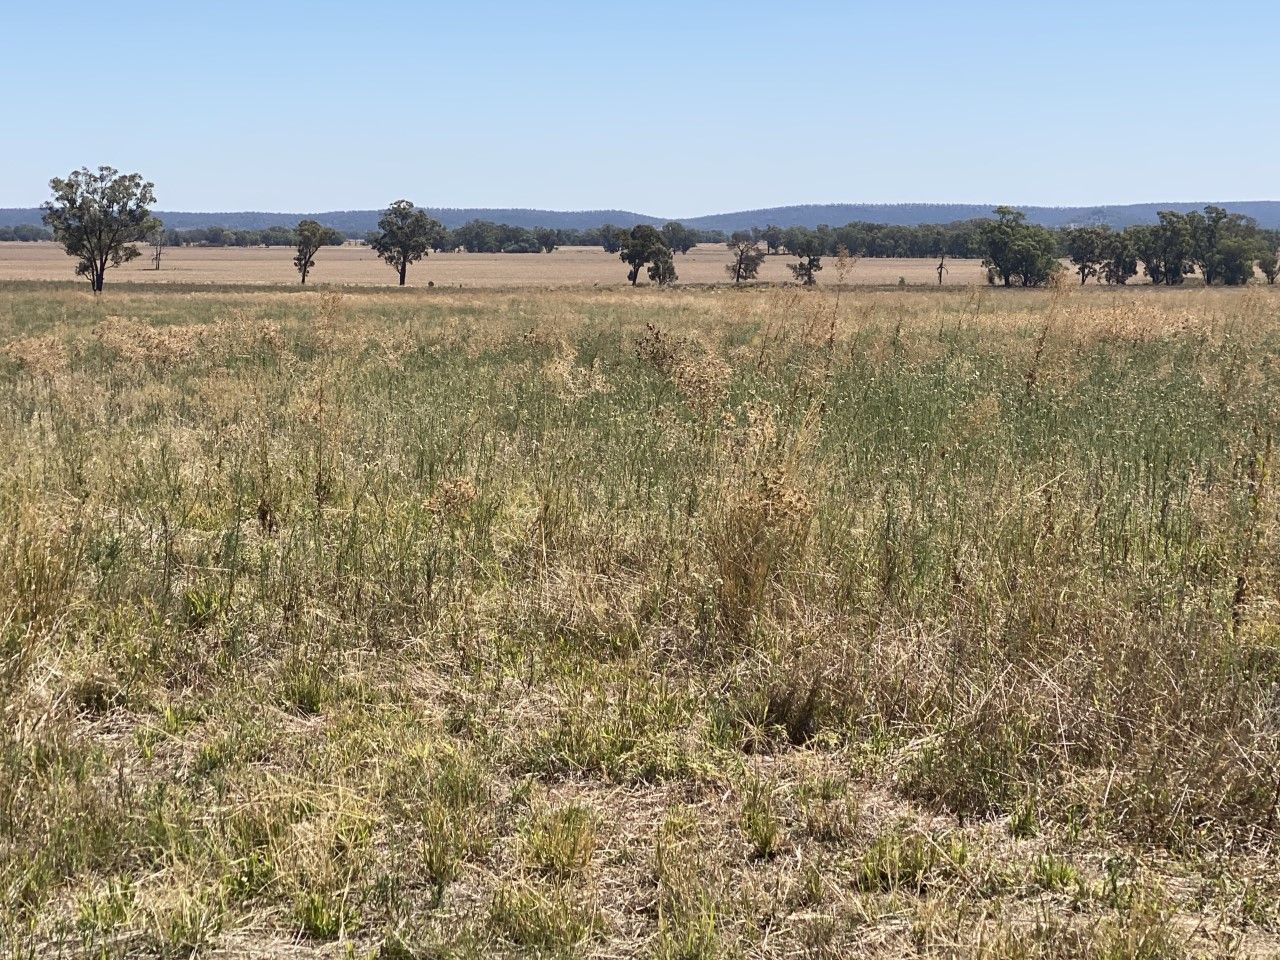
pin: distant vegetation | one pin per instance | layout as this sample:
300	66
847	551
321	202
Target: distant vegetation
25	232
1218	244
224	237
1222	246
98	216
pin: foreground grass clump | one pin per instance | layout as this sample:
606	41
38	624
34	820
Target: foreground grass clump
708	624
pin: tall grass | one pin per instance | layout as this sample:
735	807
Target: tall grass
681	624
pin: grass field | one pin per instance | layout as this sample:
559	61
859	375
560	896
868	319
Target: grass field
675	624
358	265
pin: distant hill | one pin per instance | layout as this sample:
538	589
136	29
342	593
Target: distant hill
358	222
1266	212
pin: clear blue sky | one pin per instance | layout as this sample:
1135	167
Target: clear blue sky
670	108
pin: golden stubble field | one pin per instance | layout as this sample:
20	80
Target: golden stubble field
357	265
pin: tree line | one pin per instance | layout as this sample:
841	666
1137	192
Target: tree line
959	240
25	233
475	236
224	237
1222	247
98	216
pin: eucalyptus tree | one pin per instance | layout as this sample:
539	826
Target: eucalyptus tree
747	256
312	235
1018	250
1087	248
808	247
98	216
646	245
679	237
405	235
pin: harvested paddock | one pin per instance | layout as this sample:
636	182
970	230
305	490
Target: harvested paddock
353	264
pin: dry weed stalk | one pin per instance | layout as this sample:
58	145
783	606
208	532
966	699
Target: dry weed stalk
759	525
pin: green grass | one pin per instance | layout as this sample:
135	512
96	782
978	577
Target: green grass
654	623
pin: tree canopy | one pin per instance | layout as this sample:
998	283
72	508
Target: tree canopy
808	246
747	256
405	235
98	216
1120	258
1087	247
1269	260
679	237
1223	245
25	233
1019	251
646	245
312	235
1165	248
547	239
771	236
662	270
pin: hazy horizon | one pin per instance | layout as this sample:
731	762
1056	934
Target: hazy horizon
696	215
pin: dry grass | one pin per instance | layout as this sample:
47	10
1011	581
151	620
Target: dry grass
357	265
678	624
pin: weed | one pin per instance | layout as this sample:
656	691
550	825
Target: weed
561	842
760	822
529	917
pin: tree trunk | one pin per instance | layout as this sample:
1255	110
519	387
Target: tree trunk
404	268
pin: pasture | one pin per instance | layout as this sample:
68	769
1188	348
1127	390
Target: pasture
353	264
656	623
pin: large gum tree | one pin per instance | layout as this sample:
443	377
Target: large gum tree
405	235
98	216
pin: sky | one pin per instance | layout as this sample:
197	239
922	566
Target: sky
666	108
